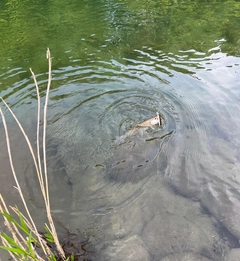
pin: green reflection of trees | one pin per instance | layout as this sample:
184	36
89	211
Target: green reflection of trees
86	26
182	25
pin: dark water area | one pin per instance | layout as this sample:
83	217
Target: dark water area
168	193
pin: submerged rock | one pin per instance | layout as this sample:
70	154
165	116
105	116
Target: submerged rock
130	249
185	257
180	227
233	255
224	205
166	234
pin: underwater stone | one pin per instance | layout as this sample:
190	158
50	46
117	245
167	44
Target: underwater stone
233	255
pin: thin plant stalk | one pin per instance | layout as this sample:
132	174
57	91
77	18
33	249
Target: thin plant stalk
14	173
31	228
48	209
10	229
38	126
16	179
45	122
9	225
42	182
44	189
6	244
13	229
29	146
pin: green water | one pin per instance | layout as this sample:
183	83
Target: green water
114	27
169	193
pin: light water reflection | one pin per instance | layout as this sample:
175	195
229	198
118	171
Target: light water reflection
171	193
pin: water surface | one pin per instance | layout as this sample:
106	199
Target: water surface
169	193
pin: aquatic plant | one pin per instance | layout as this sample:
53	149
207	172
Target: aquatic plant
23	241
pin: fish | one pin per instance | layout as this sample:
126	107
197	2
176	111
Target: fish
150	122
145	124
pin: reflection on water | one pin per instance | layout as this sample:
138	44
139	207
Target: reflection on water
169	193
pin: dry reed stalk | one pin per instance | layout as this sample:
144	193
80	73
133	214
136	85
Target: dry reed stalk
43	182
48	209
40	178
11	226
15	176
26	138
6	244
32	230
45	191
13	229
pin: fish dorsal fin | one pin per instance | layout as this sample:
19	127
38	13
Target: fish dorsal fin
159	119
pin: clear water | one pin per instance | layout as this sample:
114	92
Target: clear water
170	193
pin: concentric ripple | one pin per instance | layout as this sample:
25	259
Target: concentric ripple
96	106
93	106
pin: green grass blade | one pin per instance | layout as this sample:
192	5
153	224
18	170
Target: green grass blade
30	242
15	250
9	239
14	221
49	235
22	222
8	216
72	258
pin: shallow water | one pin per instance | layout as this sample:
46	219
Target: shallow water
171	193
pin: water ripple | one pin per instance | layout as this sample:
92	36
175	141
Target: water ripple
92	105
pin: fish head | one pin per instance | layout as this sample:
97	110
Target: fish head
155	121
